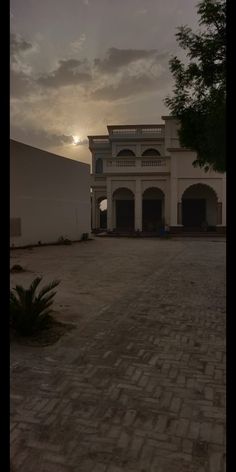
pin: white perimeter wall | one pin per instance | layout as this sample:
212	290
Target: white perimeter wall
51	195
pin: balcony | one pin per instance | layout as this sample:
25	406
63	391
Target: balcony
136	132
135	165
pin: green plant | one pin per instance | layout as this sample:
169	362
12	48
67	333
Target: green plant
30	312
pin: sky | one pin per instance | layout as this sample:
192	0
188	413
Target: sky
80	65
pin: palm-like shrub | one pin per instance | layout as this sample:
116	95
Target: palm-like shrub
30	312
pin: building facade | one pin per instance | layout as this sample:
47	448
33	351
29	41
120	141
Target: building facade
149	181
49	196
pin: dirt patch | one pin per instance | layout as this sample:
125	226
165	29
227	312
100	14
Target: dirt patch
46	337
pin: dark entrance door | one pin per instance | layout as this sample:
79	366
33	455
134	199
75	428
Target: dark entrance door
103	219
193	212
152	214
125	214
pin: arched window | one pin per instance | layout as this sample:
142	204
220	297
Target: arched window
151	152
126	152
99	166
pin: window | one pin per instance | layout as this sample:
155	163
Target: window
126	152
151	152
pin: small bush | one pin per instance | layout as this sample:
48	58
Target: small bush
29	312
64	241
17	268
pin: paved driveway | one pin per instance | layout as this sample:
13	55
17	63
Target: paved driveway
139	384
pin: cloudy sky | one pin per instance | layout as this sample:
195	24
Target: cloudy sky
78	65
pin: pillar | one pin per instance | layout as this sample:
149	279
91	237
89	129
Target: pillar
174	192
109	207
167	204
173	202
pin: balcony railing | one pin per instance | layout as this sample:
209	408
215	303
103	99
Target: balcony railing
137	164
120	163
150	131
153	162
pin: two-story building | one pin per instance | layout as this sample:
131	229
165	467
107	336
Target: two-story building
149	181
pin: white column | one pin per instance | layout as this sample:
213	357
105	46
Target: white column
167	204
138	150
138	206
109	206
173	191
173	202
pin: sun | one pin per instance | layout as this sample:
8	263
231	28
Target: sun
76	140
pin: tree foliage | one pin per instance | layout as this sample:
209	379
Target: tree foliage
199	95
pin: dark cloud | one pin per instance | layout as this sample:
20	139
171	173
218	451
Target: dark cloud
116	58
20	84
68	72
61	139
129	86
18	44
40	138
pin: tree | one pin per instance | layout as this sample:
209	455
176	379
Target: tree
199	100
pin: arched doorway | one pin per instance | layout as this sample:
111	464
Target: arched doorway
123	199
153	209
199	207
102	212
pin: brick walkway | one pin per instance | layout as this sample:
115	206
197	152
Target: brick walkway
138	387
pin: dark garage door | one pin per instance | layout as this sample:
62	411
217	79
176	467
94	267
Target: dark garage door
152	214
125	214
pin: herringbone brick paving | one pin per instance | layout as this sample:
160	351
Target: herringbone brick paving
141	385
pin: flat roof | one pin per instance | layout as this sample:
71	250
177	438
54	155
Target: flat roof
47	152
155	125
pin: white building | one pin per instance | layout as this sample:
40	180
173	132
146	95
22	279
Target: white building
149	181
49	196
